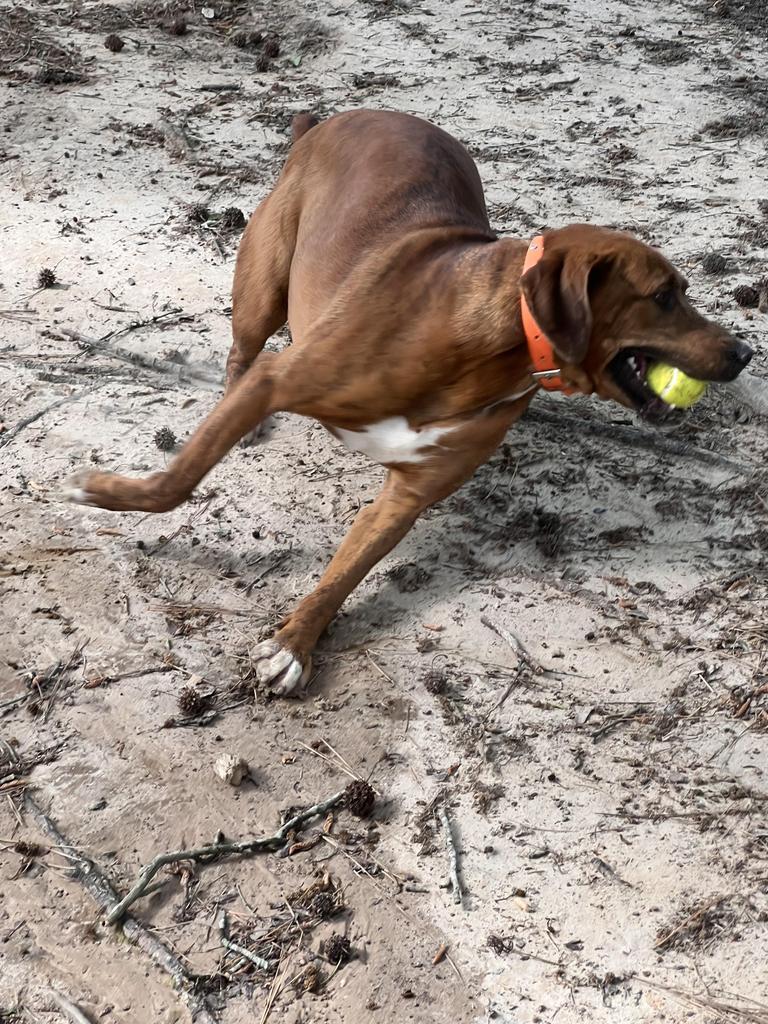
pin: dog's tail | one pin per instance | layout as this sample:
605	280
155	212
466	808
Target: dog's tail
301	124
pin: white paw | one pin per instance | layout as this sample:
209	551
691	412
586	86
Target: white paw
278	667
74	492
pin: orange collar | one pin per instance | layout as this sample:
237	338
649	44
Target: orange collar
546	370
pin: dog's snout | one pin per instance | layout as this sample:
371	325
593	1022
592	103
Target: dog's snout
738	356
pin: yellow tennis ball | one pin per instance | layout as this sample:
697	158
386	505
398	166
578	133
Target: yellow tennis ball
673	386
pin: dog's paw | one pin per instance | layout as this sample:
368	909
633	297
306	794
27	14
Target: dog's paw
75	490
280	668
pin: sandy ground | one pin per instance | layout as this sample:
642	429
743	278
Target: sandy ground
609	811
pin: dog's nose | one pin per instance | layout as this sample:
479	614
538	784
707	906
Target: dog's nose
738	355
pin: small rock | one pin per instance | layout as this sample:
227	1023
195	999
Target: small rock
231	769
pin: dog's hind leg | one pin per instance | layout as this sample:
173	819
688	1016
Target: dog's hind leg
255	396
260	288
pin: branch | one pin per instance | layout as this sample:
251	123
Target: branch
234	947
453	855
72	1012
104	896
517	646
213	850
9	435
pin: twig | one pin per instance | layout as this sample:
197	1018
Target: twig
655	441
227	943
517	646
744	1010
453	855
9	435
69	1009
214	850
329	760
510	687
274	991
692	919
103	894
183	372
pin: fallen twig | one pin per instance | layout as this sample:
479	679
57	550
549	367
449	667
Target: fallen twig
233	947
102	893
739	1008
453	855
201	375
74	1013
690	920
214	850
9	435
517	646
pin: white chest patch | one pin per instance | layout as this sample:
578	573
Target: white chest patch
392	440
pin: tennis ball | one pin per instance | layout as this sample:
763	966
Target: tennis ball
673	386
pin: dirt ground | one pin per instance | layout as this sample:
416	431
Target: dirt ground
609	810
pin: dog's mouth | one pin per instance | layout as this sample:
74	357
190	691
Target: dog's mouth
628	370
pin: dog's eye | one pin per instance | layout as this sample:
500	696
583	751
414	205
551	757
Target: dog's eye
665	299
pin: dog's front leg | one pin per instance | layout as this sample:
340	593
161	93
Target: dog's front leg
257	394
285	661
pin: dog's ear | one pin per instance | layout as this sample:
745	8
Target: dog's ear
557	291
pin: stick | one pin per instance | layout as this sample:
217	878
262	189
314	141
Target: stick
656	441
517	646
453	855
227	943
691	919
9	435
69	1009
205	376
104	896
214	850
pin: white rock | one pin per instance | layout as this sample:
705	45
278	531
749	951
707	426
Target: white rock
231	769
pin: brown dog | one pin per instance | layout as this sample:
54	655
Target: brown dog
409	343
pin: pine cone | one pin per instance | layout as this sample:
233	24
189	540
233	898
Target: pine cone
232	219
359	798
246	39
337	949
46	278
746	296
192	702
198	213
324	905
165	439
435	682
714	263
114	43
271	45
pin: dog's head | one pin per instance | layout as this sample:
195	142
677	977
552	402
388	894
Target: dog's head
611	305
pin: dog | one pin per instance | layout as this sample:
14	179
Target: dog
418	336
